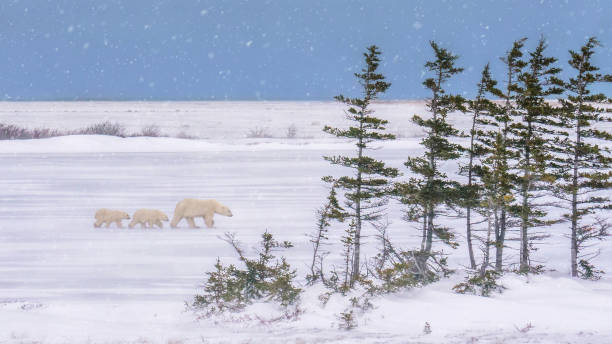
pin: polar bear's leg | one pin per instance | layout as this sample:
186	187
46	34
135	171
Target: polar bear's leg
132	224
108	223
175	220
159	223
118	222
209	220
191	222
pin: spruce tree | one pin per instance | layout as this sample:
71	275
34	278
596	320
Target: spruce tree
431	188
328	212
365	191
531	140
514	66
583	164
479	107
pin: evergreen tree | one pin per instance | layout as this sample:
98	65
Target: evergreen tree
537	118
503	118
431	188
330	211
492	172
478	107
265	277
367	189
583	165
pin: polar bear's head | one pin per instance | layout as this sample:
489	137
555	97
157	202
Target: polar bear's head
163	216
223	210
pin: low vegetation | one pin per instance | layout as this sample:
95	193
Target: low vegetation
231	288
15	132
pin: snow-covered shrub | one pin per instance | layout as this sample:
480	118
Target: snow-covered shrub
358	306
258	133
480	284
151	131
347	320
13	132
394	268
43	133
184	135
230	288
104	128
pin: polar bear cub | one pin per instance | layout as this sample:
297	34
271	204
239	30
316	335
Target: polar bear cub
190	208
109	216
148	218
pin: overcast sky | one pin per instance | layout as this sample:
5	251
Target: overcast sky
274	50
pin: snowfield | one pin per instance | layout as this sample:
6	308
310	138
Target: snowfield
64	281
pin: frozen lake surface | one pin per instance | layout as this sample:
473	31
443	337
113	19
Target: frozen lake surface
61	280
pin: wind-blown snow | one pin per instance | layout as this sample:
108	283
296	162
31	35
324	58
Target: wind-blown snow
61	280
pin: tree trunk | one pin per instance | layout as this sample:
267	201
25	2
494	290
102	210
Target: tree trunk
469	205
469	239
574	238
499	241
357	241
485	259
524	259
501	235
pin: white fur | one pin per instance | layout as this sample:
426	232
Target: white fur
148	218
190	208
109	216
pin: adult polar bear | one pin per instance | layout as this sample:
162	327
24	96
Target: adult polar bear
190	208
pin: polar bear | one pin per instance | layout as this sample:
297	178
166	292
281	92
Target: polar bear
109	216
206	208
148	218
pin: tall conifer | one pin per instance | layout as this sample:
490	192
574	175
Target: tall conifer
481	109
531	140
583	164
431	188
365	191
514	66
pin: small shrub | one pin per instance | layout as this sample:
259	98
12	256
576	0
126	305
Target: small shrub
184	135
258	133
43	133
263	278
151	131
12	132
104	128
347	320
528	327
480	284
396	269
291	131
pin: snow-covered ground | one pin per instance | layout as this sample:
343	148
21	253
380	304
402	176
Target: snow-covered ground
63	281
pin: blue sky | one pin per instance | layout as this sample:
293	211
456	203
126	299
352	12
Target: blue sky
273	50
